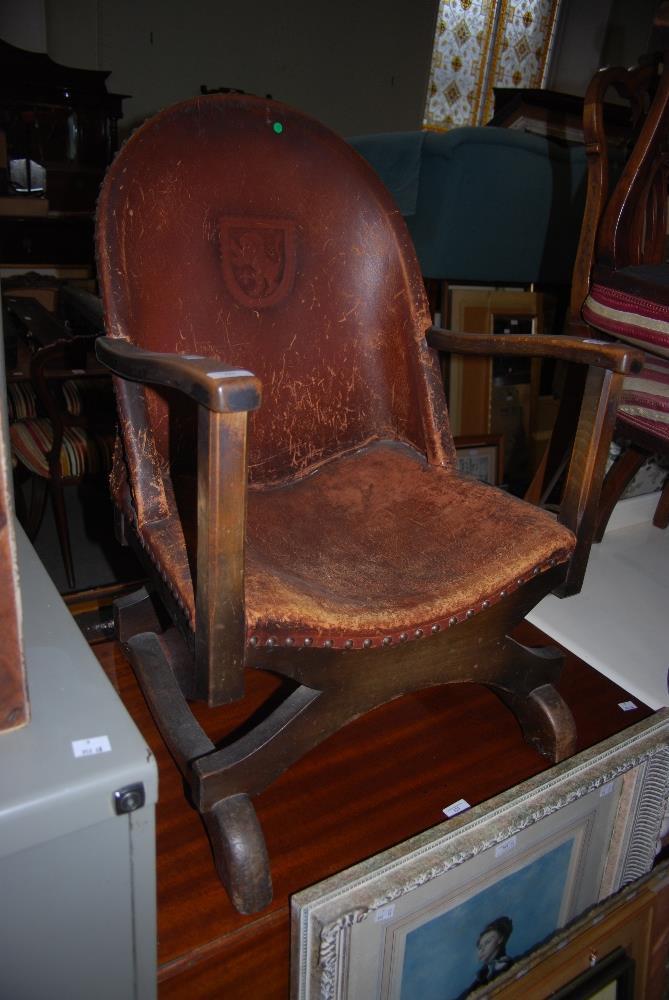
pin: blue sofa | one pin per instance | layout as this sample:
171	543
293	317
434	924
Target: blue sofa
488	205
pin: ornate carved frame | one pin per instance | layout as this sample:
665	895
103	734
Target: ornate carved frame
325	916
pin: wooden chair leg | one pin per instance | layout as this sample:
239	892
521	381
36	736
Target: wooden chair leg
135	613
543	715
58	497
20	508
240	853
38	493
547	723
617	478
236	838
556	456
223	780
661	516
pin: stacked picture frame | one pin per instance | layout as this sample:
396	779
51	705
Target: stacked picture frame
413	920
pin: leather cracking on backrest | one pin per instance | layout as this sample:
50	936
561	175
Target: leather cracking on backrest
279	252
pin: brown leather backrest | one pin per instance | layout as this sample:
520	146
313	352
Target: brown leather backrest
236	227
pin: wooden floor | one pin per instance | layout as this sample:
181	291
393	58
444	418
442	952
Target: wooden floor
381	780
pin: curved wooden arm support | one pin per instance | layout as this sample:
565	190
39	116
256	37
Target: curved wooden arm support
225	395
218	387
598	353
219	592
607	365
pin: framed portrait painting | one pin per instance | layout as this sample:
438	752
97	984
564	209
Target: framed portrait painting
610	979
481	457
616	949
452	908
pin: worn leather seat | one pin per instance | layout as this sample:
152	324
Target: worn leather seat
373	548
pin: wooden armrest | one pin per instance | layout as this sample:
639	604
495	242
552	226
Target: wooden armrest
607	366
598	353
218	387
225	396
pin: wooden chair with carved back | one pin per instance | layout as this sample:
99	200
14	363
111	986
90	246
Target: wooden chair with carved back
285	466
621	284
621	278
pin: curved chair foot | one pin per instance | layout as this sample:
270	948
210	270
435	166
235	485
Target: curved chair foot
239	852
546	721
661	516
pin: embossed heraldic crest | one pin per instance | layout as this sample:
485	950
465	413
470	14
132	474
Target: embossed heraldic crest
258	258
285	468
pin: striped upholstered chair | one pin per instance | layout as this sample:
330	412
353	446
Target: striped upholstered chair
621	282
61	431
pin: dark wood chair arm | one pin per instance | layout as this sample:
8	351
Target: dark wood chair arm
225	396
607	365
218	387
598	353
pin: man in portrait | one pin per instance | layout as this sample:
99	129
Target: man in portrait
491	950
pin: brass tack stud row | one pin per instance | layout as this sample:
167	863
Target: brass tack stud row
404	636
164	577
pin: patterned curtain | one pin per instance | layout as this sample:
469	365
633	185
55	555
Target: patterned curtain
481	44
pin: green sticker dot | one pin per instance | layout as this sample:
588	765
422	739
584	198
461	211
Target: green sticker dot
278	127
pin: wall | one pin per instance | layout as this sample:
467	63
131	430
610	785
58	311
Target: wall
598	33
358	65
23	23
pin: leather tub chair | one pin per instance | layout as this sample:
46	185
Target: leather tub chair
285	466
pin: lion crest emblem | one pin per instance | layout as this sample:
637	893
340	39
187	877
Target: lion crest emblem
258	258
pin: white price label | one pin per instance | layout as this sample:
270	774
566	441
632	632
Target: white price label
456	807
92	746
384	913
505	847
627	706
